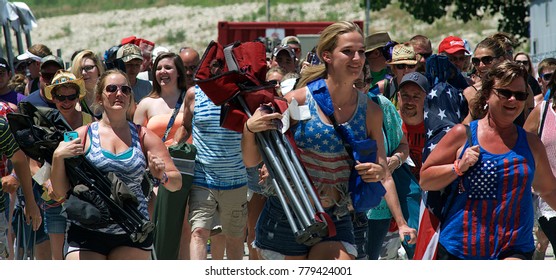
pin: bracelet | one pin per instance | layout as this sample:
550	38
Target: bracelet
399	159
157	182
246	126
14	175
456	169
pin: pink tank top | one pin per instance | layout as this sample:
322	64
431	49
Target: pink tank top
548	136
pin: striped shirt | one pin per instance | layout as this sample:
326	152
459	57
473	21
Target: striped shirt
8	147
219	162
128	166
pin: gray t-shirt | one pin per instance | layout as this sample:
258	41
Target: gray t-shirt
141	89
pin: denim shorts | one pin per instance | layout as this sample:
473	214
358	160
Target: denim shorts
273	232
3	237
55	220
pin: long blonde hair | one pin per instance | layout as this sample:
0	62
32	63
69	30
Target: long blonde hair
327	42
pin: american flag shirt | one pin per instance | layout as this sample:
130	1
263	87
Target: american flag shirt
322	152
493	212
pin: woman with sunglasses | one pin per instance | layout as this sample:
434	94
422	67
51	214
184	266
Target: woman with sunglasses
114	144
64	91
524	59
87	66
490	214
404	61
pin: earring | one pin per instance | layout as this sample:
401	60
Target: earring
485	107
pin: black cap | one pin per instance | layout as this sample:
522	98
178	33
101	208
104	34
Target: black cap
417	78
4	64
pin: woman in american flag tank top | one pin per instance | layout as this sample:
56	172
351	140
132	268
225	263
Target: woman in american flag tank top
491	213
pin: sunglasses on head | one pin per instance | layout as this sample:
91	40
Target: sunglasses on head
486	60
63	98
506	93
114	88
546	77
404	66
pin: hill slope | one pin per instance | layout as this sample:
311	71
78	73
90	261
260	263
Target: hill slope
176	26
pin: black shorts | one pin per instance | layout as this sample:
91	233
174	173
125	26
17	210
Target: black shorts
81	239
443	254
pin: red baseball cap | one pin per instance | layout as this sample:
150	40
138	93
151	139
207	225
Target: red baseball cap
451	45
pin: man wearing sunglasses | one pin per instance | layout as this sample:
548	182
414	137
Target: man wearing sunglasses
404	61
190	59
545	70
32	58
50	64
454	48
374	45
423	48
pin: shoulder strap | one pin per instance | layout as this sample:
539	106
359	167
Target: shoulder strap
174	114
86	134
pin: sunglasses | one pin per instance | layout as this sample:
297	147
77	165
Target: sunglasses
88	68
506	93
486	60
425	55
404	66
63	98
114	88
546	77
522	62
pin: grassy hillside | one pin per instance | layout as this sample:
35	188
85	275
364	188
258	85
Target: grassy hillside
52	8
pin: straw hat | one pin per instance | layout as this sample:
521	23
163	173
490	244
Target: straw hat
403	54
63	77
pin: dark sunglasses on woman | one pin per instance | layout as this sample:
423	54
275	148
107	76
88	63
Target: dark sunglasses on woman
506	93
486	60
113	88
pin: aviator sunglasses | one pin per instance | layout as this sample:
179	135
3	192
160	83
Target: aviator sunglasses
506	93
113	88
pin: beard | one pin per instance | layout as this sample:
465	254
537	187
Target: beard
409	113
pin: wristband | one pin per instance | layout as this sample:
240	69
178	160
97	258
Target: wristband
456	169
246	126
14	175
157	182
399	159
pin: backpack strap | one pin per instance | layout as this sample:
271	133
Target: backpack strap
544	110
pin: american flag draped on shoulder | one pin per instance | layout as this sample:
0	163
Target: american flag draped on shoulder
445	106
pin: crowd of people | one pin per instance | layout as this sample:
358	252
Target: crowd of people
491	151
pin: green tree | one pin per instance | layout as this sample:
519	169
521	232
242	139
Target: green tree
514	13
